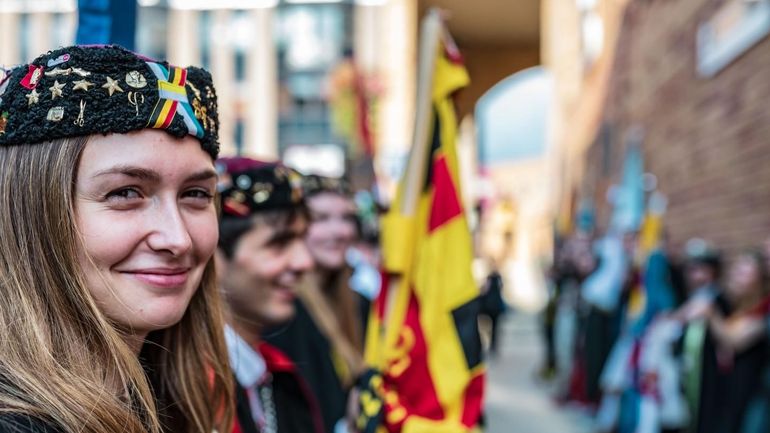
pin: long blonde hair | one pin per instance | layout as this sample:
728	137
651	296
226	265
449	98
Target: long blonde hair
61	360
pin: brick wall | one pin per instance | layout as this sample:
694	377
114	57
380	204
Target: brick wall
706	139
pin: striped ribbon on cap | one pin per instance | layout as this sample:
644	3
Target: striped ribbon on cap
173	99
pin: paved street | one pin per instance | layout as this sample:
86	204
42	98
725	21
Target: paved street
516	402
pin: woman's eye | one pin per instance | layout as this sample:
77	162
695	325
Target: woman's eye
124	194
199	195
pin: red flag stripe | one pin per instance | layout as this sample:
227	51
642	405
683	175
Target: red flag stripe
446	203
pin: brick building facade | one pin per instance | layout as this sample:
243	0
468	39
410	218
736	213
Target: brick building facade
707	140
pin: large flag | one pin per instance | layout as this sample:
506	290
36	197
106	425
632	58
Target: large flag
423	336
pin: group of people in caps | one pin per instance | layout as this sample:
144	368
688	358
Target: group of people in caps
147	286
667	340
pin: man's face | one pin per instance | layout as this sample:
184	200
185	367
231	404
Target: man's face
260	278
699	275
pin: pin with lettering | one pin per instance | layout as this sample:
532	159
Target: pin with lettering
59	60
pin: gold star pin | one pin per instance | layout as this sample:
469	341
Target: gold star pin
82	85
112	86
33	97
56	89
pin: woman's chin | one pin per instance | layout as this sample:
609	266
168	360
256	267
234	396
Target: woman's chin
157	317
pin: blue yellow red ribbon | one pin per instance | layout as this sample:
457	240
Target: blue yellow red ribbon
172	100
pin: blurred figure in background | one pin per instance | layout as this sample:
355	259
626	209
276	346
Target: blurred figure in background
365	257
555	277
757	419
703	272
261	259
569	326
326	337
626	387
735	349
492	304
604	292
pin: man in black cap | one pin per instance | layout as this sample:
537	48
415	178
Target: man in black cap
261	259
326	338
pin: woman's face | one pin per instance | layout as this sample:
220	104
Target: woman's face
744	277
144	205
332	229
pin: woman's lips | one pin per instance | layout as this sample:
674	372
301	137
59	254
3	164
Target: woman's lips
162	278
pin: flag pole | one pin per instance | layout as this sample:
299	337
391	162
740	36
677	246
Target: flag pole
430	37
413	178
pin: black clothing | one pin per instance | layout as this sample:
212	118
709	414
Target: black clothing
311	352
601	332
728	387
492	303
493	306
295	408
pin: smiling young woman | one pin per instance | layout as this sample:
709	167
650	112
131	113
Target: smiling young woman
108	299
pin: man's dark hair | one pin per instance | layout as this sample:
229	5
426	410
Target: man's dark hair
231	229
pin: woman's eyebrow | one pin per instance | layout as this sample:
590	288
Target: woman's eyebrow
131	171
152	175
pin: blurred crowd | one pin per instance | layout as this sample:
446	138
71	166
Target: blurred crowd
660	339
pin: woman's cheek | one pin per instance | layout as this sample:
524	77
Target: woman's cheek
204	231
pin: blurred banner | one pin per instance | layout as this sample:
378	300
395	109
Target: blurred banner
107	22
423	336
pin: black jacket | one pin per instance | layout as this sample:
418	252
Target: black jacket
296	408
304	343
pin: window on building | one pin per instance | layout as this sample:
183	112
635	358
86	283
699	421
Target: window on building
242	34
240	136
204	35
62	30
311	41
25	31
152	30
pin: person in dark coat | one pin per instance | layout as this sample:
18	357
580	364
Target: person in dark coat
261	259
493	305
735	350
325	339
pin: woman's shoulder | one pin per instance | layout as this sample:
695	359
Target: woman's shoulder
18	423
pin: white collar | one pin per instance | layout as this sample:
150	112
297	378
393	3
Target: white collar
247	364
